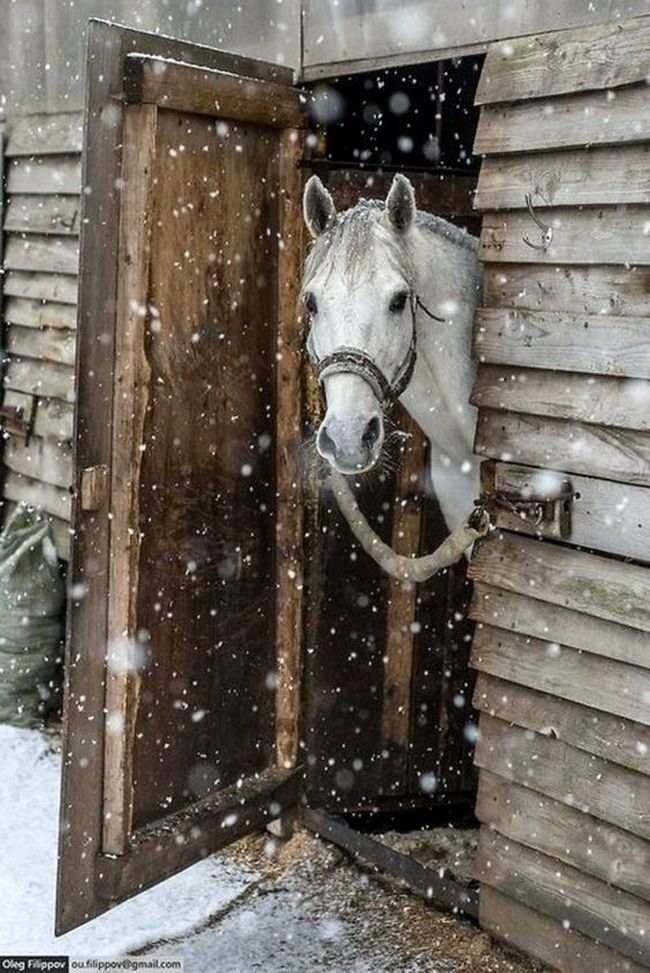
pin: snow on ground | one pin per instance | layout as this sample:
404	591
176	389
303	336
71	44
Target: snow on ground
29	808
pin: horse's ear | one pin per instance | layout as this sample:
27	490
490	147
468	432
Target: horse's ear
400	203
318	207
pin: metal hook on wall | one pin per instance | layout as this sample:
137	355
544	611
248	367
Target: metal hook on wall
546	230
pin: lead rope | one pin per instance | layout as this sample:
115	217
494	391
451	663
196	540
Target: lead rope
398	566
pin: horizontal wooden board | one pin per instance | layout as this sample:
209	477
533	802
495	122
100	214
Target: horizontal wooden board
47	418
34	493
589	583
47	379
596	235
569	121
605	914
206	91
547	939
40	314
43	214
40	459
44	134
48	344
562	62
575	447
605	790
613	738
601	176
577	839
597	344
61	288
547	620
57	255
605	516
600	399
565	672
60	175
610	290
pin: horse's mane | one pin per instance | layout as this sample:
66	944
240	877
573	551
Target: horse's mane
355	228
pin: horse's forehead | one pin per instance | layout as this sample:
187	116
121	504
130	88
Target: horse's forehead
357	259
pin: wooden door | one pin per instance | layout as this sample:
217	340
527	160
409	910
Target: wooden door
563	626
181	710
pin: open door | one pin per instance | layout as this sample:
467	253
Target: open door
181	686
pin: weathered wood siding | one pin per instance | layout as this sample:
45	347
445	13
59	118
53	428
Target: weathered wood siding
562	644
41	225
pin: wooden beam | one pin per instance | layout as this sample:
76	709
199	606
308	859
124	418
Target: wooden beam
48	344
60	175
570	121
56	255
524	612
58	215
574	447
174	85
42	287
595	235
46	379
597	344
549	766
592	58
547	939
40	459
42	496
605	914
41	313
45	134
598	586
440	890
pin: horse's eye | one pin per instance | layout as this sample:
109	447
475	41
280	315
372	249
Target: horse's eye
310	303
398	301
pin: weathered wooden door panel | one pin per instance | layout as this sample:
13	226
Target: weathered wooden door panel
176	668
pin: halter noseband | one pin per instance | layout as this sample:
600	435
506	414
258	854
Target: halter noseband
348	360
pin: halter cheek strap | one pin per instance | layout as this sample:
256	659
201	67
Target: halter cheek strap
348	360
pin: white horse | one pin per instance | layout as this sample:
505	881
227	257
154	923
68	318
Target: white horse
391	294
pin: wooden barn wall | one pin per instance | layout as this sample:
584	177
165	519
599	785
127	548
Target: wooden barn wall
562	645
359	35
41	227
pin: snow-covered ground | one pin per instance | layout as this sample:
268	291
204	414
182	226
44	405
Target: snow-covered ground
281	907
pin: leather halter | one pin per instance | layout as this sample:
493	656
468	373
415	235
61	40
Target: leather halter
349	360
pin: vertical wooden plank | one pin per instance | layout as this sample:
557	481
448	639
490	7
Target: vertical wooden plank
289	570
398	659
132	372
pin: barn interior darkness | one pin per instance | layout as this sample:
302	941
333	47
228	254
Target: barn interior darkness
419	120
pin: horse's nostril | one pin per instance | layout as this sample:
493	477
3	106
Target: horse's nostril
372	432
326	445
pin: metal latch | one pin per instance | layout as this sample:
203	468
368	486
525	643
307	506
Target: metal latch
539	498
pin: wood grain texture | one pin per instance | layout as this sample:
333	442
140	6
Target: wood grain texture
569	121
597	344
563	62
595	786
61	288
609	290
609	854
57	215
46	134
605	516
575	447
598	399
31	313
612	176
289	438
547	939
40	459
598	586
41	496
48	379
47	344
56	255
60	175
564	672
605	914
597	235
615	739
522	611
212	92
